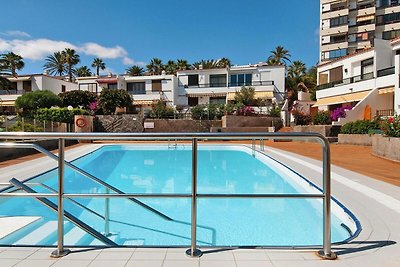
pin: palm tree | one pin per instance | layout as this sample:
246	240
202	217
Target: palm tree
98	64
155	67
70	58
171	67
206	64
296	71
55	64
182	64
224	63
279	56
11	62
135	70
83	71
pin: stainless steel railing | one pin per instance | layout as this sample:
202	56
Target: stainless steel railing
326	251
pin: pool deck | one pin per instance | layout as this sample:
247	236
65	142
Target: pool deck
375	203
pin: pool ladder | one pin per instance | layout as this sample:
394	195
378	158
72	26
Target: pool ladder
172	145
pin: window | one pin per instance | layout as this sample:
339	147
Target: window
336	74
156	86
136	88
365	36
218	100
112	86
338	39
193	80
91	87
367	67
387	3
337	53
218	80
388	18
338	21
193	101
63	89
388	35
27	86
241	79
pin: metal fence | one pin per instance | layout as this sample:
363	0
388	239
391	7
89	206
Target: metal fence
15	123
193	251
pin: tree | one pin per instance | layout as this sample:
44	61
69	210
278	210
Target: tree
83	71
11	62
28	103
171	67
5	84
110	99
98	64
224	63
70	58
245	96
55	64
135	70
155	67
206	64
297	71
182	64
280	56
77	98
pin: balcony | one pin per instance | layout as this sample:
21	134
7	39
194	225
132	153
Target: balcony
386	72
11	92
355	79
228	85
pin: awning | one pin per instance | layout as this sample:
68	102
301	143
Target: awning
107	80
260	94
365	18
143	102
206	94
386	90
347	98
19	79
7	103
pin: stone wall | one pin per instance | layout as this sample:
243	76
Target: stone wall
386	147
325	130
125	123
180	126
232	121
355	139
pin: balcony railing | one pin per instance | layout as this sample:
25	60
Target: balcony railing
385	113
354	79
385	72
237	84
11	92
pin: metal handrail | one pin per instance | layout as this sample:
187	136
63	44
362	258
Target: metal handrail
68	215
326	251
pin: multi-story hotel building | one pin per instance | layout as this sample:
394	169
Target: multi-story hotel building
348	26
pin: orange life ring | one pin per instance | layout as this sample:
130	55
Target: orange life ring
81	122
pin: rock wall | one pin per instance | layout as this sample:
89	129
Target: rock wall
126	123
180	126
232	121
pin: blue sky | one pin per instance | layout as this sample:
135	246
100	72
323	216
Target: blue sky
124	32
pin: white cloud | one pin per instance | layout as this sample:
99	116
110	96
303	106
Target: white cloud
97	50
38	49
128	61
16	34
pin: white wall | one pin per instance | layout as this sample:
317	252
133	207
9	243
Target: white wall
383	55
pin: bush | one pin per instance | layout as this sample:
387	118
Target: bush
208	112
160	110
275	112
78	98
112	98
359	127
301	118
59	114
28	103
322	118
340	113
246	111
391	126
27	128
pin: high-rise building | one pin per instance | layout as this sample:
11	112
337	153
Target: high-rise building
348	26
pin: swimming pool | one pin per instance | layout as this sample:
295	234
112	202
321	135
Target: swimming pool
222	169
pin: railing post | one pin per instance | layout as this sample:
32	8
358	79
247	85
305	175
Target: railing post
193	251
60	251
107	215
326	252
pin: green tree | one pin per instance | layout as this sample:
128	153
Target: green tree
55	64
99	64
182	64
245	96
224	63
155	67
296	71
83	71
5	84
110	99
206	64
280	56
28	103
11	62
170	67
77	98
135	70
70	58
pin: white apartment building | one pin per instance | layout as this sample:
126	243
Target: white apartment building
367	80
204	86
348	26
32	82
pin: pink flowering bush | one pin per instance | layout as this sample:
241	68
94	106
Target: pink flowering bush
246	111
340	113
391	126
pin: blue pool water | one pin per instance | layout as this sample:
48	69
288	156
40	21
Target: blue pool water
157	169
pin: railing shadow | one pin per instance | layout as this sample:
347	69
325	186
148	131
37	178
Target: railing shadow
364	246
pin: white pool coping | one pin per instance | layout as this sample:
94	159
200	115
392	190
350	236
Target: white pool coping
374	203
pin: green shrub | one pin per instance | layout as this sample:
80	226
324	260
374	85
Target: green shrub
58	114
28	103
112	98
208	112
275	112
78	98
198	112
17	127
301	118
391	126
359	127
160	110
322	118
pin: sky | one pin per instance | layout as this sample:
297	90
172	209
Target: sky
128	32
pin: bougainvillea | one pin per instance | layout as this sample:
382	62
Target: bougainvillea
340	113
